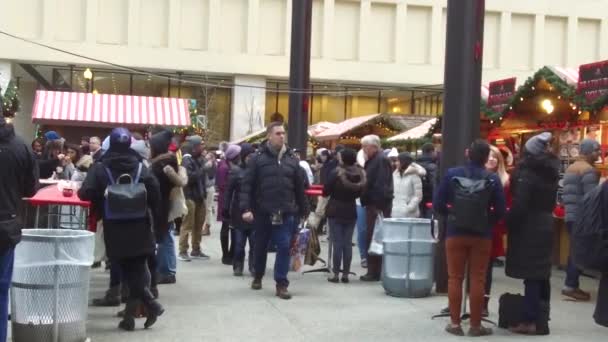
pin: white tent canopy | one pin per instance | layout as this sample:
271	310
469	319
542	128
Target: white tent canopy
416	132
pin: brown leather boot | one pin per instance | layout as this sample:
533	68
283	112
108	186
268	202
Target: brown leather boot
283	293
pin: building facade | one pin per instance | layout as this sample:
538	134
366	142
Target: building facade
368	56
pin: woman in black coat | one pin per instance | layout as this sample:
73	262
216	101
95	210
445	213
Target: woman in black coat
128	241
344	185
530	231
243	231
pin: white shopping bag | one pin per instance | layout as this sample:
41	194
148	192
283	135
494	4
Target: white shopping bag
376	247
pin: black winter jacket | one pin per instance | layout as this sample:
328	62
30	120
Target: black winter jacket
123	238
379	190
344	186
196	190
18	174
231	209
273	183
165	186
530	221
430	180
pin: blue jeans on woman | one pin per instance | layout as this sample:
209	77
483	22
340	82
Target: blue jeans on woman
362	232
6	276
341	235
165	254
241	236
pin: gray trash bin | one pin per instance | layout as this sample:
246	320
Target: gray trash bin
49	293
408	260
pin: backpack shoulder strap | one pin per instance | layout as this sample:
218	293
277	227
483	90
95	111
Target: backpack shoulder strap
110	177
138	175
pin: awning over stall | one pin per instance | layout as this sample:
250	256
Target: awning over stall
86	109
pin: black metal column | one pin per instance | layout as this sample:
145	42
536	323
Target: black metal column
463	62
299	73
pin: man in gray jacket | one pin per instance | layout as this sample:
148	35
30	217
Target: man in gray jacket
580	178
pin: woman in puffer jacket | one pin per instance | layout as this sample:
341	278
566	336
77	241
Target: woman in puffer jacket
343	186
407	180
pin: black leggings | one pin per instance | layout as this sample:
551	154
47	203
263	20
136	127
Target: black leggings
135	274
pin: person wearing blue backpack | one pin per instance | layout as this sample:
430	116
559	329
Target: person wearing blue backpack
127	195
472	200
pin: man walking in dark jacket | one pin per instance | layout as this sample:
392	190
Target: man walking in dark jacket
377	198
580	178
272	197
195	193
18	179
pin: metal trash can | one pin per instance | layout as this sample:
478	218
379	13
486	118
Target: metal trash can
50	289
408	260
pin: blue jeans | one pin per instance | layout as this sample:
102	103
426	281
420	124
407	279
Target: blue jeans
165	254
535	292
241	236
281	236
572	272
341	235
361	232
6	275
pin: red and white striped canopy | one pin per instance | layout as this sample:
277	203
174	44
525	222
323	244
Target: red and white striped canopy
86	109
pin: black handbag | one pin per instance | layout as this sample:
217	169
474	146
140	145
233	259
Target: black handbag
10	233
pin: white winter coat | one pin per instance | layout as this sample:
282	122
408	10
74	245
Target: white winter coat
408	192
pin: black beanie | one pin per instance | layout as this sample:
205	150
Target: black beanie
348	156
159	142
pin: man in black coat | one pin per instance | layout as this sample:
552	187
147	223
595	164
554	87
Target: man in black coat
128	241
272	197
377	198
18	179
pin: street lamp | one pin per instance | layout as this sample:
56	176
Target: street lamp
88	75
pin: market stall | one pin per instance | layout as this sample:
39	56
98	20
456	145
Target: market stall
97	114
350	132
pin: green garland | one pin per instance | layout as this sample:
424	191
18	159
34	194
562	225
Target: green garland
527	90
594	107
10	101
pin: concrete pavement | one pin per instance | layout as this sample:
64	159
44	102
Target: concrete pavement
209	304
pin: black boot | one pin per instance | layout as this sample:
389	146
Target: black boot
238	269
128	319
111	298
154	310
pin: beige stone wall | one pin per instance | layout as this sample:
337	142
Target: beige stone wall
378	41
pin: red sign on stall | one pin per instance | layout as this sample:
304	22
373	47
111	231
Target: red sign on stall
500	94
593	81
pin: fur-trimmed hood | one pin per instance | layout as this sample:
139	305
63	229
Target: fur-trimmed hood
353	177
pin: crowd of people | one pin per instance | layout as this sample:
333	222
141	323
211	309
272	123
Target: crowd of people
261	204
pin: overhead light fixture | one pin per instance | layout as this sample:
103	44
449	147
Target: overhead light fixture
88	74
95	91
547	106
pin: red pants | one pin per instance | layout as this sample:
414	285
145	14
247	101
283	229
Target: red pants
475	252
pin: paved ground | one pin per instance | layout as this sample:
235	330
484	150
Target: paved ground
209	304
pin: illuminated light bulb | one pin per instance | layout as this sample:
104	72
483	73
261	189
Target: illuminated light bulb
88	74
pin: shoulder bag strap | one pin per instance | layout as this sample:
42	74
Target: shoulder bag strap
137	176
110	177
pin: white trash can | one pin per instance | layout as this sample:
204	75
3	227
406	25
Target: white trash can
408	259
50	288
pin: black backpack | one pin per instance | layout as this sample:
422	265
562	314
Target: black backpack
589	237
471	203
125	201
